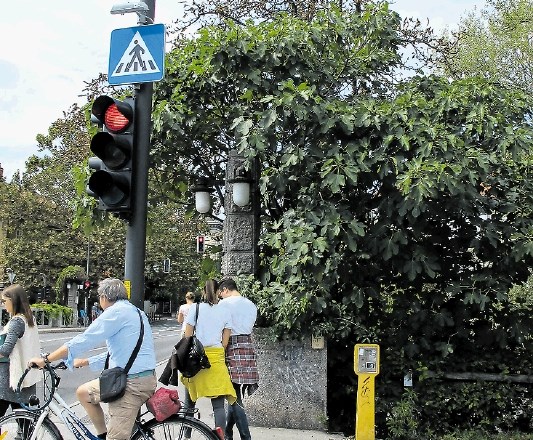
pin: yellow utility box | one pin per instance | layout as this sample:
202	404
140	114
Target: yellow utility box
366	366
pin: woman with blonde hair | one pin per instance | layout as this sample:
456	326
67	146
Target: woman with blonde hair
212	326
19	341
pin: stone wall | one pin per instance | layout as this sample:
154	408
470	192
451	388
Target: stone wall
293	385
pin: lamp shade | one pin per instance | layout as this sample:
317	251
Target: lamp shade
202	201
241	193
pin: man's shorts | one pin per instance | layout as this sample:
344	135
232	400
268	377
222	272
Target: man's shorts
122	412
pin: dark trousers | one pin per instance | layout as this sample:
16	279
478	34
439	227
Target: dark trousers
237	416
23	425
218	409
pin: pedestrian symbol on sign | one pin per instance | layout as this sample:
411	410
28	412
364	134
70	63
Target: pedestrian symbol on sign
136	59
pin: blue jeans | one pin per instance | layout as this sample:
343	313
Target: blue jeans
237	416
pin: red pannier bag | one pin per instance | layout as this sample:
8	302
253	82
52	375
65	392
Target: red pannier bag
163	403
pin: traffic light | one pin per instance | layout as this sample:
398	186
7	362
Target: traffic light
200	241
86	285
114	148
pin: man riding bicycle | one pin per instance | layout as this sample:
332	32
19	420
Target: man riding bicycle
119	327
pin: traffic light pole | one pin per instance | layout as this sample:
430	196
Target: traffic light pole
136	232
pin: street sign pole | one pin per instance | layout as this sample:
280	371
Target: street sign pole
136	232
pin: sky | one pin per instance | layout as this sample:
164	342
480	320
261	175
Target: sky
49	48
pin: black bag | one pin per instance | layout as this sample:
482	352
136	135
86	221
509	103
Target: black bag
112	384
188	357
113	380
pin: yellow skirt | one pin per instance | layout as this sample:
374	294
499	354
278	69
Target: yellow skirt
211	382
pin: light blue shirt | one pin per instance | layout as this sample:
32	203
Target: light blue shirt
118	327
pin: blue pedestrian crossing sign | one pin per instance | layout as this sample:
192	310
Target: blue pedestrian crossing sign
137	54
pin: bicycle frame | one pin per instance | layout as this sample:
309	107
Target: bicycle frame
63	411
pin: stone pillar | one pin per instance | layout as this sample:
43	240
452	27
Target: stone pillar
72	301
241	224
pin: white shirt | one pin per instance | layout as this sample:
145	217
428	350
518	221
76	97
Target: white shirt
212	320
184	310
243	314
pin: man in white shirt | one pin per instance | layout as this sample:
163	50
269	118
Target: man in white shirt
240	354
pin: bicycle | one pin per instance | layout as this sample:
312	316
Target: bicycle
33	421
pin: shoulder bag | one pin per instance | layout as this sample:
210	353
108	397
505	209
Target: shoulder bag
189	357
113	380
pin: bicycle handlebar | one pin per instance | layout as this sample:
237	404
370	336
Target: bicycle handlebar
59	366
50	368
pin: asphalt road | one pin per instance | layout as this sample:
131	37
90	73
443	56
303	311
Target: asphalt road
166	333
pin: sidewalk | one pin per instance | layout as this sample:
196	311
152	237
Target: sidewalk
206	412
206	415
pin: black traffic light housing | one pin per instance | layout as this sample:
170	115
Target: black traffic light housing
111	183
200	244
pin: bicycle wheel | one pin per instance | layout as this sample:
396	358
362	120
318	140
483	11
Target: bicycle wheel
176	427
19	425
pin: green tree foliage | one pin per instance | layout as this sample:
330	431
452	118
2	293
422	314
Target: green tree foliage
172	234
213	80
392	214
39	239
496	43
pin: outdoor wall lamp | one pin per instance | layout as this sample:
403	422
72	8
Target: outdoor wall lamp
241	183
202	197
241	186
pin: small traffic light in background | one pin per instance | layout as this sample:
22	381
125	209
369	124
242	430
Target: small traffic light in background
86	285
166	265
200	241
114	148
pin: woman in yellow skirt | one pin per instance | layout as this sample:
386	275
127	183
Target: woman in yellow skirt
213	329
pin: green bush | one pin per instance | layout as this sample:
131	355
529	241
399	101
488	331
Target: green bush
403	419
54	311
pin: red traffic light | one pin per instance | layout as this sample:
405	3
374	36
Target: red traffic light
114	120
115	115
200	243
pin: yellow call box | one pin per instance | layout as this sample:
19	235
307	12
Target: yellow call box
366	359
